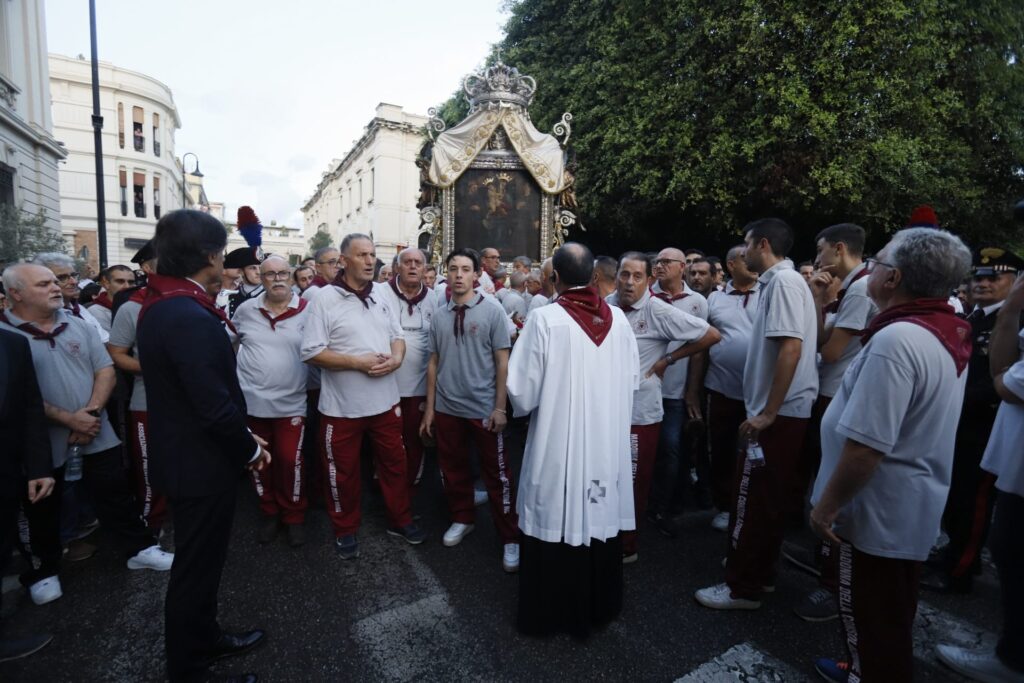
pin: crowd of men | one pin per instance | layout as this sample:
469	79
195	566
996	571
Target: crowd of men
881	394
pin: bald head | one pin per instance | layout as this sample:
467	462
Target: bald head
32	290
275	276
574	264
411	269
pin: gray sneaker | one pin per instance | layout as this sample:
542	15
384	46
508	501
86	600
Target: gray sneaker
817	606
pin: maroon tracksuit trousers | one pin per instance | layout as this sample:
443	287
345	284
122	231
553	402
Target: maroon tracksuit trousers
280	486
153	504
412	415
643	449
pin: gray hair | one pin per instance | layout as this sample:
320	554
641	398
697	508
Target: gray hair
534	275
523	261
398	256
321	252
517	279
54	258
932	262
352	237
735	252
12	277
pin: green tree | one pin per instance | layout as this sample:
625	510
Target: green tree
321	239
692	117
24	235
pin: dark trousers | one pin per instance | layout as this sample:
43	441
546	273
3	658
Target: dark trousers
202	529
9	503
971	498
670	455
112	496
1008	553
877	605
810	460
44	531
763	506
725	415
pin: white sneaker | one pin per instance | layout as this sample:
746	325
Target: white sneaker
456	532
152	558
45	590
720	522
510	560
978	665
479	497
720	597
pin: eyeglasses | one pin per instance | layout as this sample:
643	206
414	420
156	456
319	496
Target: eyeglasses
871	263
277	275
666	261
64	277
332	262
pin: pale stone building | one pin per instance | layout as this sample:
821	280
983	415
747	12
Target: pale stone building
29	151
142	176
277	239
374	188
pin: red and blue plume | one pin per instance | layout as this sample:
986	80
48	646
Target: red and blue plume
249	226
923	217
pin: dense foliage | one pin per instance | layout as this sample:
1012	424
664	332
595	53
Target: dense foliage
24	235
694	116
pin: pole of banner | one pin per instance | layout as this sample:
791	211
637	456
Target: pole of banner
97	127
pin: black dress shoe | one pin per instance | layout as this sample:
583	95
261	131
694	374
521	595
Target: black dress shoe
231	644
16	648
941	582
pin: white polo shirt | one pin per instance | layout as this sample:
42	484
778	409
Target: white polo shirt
900	396
537	301
732	313
412	376
514	303
124	333
339	321
1004	455
103	316
673	384
655	325
855	312
313	372
270	371
786	309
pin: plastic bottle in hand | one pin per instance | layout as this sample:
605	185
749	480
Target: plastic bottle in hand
73	467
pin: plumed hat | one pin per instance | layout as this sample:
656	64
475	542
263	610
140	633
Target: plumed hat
923	217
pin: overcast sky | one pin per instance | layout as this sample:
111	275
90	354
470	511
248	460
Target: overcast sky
269	92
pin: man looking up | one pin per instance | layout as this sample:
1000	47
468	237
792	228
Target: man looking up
575	491
700	275
469	347
273	381
353	335
411	299
200	443
671	458
656	324
780	382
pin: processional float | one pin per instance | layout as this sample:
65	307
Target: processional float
494	180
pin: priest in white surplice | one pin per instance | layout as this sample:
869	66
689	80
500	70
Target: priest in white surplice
573	370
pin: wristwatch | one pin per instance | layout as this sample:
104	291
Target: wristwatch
669	359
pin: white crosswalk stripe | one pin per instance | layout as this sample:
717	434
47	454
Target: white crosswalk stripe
743	662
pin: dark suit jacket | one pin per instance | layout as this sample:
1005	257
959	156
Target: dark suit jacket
199	443
24	440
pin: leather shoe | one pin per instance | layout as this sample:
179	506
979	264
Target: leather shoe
231	644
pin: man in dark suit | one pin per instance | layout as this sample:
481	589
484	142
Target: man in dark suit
199	442
25	456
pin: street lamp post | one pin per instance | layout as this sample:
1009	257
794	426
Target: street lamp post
196	173
97	127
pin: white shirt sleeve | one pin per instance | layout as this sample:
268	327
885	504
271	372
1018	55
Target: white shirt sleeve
91	319
880	398
526	367
317	335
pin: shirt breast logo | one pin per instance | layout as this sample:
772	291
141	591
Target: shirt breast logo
640	326
474	329
74	348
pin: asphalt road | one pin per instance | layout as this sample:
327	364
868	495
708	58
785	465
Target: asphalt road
431	613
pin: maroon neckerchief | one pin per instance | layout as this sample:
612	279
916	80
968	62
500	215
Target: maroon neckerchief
669	298
833	307
319	281
448	290
161	287
37	333
74	309
103	299
139	295
937	317
411	303
288	313
460	316
589	310
498	286
745	295
364	294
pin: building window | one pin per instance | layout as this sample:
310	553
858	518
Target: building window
156	134
139	193
156	196
373	182
360	192
6	185
140	137
120	124
123	178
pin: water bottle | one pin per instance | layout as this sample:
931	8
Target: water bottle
73	467
755	454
